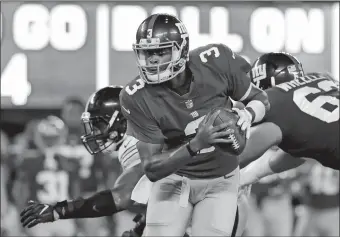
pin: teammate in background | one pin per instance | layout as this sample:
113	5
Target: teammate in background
303	120
166	107
93	170
322	202
105	125
46	175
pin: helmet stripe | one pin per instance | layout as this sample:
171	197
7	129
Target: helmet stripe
152	22
113	117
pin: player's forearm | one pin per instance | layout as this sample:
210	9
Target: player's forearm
166	163
258	105
256	170
98	205
105	203
283	161
273	161
262	137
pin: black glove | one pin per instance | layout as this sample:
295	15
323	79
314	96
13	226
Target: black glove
36	213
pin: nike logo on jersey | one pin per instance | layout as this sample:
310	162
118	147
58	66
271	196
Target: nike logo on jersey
126	110
127	143
95	208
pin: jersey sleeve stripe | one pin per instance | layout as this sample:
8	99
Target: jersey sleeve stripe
131	160
247	92
128	155
129	150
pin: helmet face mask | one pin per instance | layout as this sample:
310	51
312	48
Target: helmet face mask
99	134
169	41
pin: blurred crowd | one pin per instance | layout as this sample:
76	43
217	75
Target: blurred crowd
47	162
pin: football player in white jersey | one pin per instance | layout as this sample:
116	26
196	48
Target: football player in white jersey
105	129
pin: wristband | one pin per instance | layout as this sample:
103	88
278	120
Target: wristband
257	109
191	152
251	113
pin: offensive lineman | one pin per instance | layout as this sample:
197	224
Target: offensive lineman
303	120
47	175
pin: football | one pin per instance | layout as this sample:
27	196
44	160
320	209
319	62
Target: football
238	137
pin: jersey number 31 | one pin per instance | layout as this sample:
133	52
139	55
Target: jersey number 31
318	106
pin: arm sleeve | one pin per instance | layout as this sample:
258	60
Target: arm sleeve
140	123
239	83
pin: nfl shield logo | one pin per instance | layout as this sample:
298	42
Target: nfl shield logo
189	104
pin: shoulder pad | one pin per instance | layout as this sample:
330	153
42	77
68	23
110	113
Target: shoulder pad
133	88
217	56
131	98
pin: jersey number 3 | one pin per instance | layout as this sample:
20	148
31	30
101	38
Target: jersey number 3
135	87
204	54
317	107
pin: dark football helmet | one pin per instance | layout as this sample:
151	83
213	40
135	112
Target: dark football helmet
103	121
161	34
275	68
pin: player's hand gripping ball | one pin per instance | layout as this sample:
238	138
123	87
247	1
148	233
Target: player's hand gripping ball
238	137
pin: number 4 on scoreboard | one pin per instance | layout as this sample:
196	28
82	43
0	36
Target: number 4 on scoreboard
14	81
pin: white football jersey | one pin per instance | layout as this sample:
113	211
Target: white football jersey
128	155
